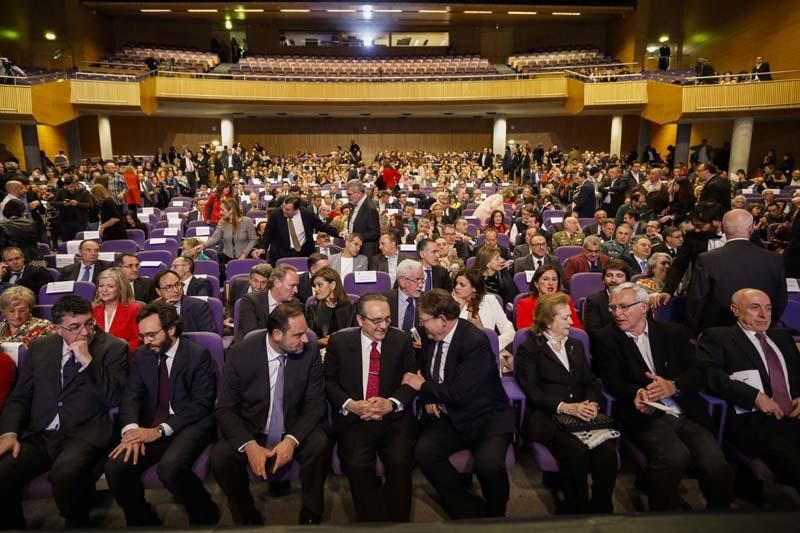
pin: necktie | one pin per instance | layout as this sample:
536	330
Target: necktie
86	272
162	405
275	429
293	236
428	280
408	317
777	379
538	264
437	361
593	267
643	266
374	376
70	370
14	277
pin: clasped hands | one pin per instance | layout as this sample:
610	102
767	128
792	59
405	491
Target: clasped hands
373	409
133	443
770	407
659	389
257	456
585	410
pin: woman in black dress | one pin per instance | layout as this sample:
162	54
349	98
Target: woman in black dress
112	221
333	310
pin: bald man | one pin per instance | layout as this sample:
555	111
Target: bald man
737	265
15	190
756	369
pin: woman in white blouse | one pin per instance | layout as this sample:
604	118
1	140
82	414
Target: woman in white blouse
484	310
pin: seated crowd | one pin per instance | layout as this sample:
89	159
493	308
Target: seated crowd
404	310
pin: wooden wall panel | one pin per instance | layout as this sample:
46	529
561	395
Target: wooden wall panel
52	139
11	142
588	133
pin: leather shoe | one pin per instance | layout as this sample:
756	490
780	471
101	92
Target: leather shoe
308	517
279	488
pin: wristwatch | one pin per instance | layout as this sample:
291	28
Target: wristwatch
161	431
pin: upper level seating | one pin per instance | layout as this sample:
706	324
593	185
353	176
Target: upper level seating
412	67
557	56
132	56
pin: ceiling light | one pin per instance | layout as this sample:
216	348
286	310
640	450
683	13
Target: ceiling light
663	38
522	12
652	48
50	36
228	25
477	12
245	10
566	14
432	11
340	10
295	10
202	10
387	10
156	10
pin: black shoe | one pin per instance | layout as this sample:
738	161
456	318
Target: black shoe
208	517
308	517
279	488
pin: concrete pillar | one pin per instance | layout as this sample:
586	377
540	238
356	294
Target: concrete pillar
226	131
499	136
740	144
30	146
616	135
644	137
683	139
104	131
74	151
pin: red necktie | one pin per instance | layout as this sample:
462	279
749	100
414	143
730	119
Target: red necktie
373	380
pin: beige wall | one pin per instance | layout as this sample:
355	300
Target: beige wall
11	138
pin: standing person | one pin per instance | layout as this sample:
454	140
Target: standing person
236	232
73	203
57	418
271	410
214	202
112	220
117	185
133	198
466	407
363	218
364	369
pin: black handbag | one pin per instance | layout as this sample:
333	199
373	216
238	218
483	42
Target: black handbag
573	424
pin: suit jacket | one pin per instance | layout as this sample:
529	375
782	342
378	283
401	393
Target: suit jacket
596	315
381	263
82	403
546	382
73	272
693	245
620	365
253	313
586	203
343	316
615	192
123	326
277	238
344	378
360	263
144	289
471	391
526	263
632	263
762	71
192	388
393	297
244	392
304	289
717	189
367	224
577	264
332	250
199	287
196	315
33	277
662	248
714	282
440	278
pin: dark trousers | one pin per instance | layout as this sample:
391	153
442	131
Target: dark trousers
70	227
576	462
437	442
671	445
175	457
230	468
72	473
393	442
776	442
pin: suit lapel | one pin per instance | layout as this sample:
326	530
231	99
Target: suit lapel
542	340
752	354
149	374
358	366
178	365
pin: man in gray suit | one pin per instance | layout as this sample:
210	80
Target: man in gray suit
538	256
350	260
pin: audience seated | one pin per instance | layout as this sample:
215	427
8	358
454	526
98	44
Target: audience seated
192	285
195	313
15	271
114	308
256	308
332	310
89	267
596	314
496	274
546	280
591	260
143	287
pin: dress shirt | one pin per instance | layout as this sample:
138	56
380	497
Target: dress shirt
109	319
561	354
168	431
643	344
402	304
366	348
642	263
537	261
346	266
186	283
751	335
83	267
392	266
297	221
271	302
55	424
354	214
14	278
715	243
448	339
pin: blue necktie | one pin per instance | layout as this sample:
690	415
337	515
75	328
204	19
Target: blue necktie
428	280
70	370
275	429
85	276
408	317
643	266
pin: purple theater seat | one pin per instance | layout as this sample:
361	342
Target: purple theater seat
175	233
300	263
791	315
84	289
208	268
150	271
121	246
213	279
672	311
44	249
240	266
383	283
584	284
547	216
43	311
137	236
502	240
565	252
217	310
169	245
510	385
165	256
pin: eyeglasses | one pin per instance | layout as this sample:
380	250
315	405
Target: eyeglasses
76	328
423	320
378	321
170	287
150	336
622	307
418	281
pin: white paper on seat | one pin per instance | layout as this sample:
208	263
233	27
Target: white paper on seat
91	235
148	210
408	247
173	215
106	256
73	247
174	223
158	240
177	203
172	232
752	378
151	263
202	230
12	349
365	276
505	184
792	285
556	220
63	260
256	181
58	287
258	221
418	212
202	238
529	275
661	407
412	200
268	198
391	212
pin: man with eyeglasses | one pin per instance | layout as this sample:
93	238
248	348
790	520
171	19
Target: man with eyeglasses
390	257
194	312
363	219
403	299
538	256
673	239
164	421
143	287
450	234
372	416
56	419
192	285
271	411
650	368
465	407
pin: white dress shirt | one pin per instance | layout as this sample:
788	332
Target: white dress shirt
643	343
354	214
493	317
446	342
297	221
168	431
392	266
561	352
346	266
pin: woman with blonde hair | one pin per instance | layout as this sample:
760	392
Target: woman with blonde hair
114	307
188	247
112	220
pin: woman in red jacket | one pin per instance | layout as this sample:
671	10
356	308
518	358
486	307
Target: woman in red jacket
223	192
115	309
391	177
546	280
134	196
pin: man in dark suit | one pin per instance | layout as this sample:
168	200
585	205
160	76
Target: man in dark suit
721	272
255	308
315	263
761	70
324	245
364	218
89	267
265	423
372	414
715	187
56	419
14	271
390	257
650	368
450	213
256	282
486	159
436	276
596	315
756	369
591	260
290	231
613	190
638	256
538	255
585	203
673	240
142	286
403	299
596	228
466	407
192	285
451	236
195	313
166	419
198	213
